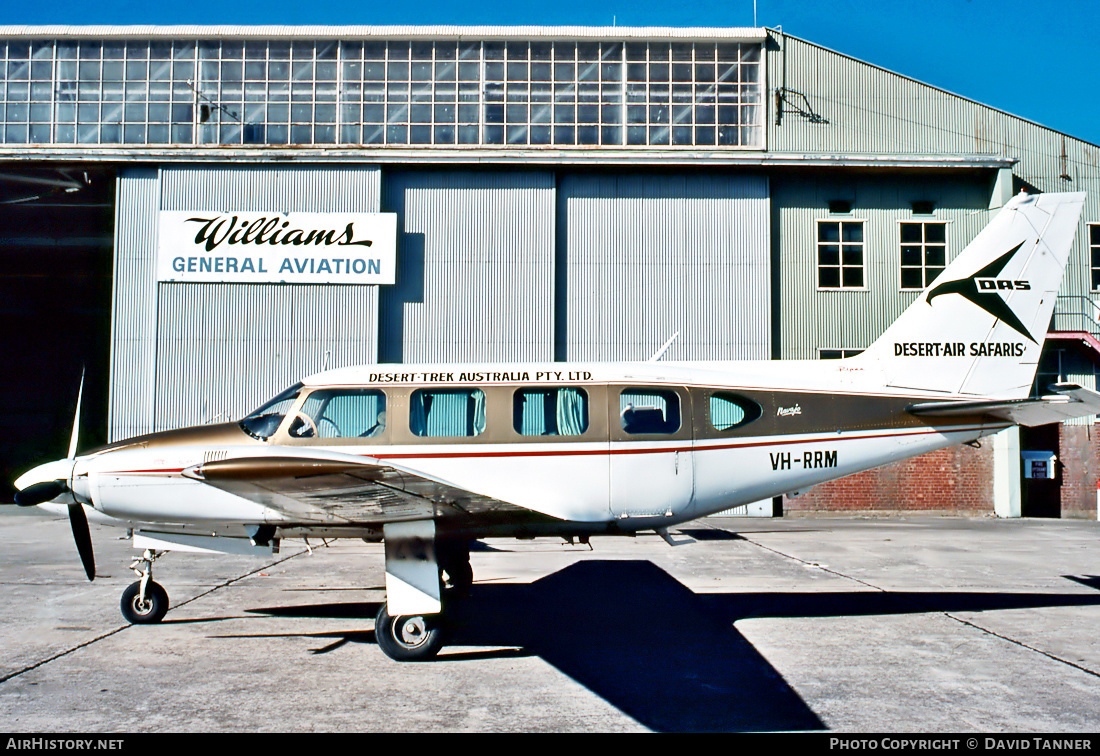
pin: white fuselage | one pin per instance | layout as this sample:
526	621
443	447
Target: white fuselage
600	476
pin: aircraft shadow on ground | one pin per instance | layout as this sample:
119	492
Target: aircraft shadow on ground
662	654
629	632
640	639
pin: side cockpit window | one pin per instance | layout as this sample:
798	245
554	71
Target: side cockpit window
340	413
263	422
729	411
649	411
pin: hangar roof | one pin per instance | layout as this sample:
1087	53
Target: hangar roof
729	34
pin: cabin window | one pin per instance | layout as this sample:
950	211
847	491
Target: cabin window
649	411
341	413
550	412
729	411
263	422
447	412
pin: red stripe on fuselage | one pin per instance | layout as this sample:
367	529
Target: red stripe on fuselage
685	446
666	449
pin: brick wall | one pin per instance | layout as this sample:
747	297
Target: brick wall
954	480
1080	458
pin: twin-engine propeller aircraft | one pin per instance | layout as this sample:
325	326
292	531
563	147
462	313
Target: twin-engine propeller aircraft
428	458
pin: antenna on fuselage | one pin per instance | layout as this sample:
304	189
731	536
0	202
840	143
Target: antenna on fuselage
661	352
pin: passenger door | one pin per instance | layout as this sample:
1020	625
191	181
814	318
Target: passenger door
652	467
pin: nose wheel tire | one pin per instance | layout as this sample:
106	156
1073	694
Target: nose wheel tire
152	609
410	638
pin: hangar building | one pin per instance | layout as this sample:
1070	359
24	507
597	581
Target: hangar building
559	193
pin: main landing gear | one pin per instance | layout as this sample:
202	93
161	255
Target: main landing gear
144	601
421	574
414	637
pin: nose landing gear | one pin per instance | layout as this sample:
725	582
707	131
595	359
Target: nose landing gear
144	601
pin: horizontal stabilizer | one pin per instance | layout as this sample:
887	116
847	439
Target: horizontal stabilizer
1068	402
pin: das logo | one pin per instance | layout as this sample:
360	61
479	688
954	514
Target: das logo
982	290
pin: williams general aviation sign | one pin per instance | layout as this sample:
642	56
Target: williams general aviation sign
266	247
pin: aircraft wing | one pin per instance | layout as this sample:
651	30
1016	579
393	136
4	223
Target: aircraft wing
342	488
1068	402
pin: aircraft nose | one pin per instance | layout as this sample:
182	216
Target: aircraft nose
44	483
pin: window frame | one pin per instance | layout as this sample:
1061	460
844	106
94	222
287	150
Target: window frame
470	392
845	353
1094	255
387	92
382	437
840	266
614	405
292	395
744	403
517	411
923	245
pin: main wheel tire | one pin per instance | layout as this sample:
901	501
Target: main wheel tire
410	638
140	612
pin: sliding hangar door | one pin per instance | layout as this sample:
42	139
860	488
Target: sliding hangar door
491	265
56	231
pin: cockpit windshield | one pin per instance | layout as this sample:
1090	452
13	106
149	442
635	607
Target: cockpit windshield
263	422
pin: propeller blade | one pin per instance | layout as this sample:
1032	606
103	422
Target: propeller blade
76	419
47	490
82	534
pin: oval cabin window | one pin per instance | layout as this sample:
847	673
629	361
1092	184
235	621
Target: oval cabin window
729	411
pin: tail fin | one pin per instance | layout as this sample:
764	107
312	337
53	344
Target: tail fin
978	329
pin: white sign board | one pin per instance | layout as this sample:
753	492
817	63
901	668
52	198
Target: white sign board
259	247
1039	464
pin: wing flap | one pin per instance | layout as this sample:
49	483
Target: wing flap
1069	401
343	489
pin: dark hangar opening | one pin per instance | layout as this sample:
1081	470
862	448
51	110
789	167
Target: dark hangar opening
56	240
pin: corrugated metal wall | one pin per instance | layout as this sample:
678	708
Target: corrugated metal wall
251	340
134	307
475	259
866	110
813	318
642	257
482	276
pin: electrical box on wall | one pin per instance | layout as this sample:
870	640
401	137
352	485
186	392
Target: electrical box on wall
1038	464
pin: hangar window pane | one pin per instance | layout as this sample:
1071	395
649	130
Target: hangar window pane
215	78
837	354
550	412
840	254
1094	254
643	411
923	253
447	412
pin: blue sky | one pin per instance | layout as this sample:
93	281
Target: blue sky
1035	60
